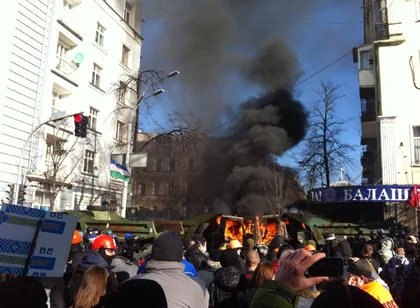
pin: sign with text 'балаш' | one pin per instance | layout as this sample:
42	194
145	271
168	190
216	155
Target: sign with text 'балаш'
17	228
366	193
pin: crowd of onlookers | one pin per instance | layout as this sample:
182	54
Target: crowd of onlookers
382	271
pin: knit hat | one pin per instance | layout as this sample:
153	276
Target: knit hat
168	247
345	296
360	268
148	292
229	257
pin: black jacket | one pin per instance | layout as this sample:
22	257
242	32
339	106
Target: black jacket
224	287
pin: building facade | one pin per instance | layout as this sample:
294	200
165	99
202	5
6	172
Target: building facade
67	56
389	80
168	187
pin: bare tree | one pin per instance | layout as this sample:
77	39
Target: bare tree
62	160
325	149
281	188
131	85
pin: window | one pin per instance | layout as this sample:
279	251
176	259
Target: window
128	9
89	161
141	189
55	152
158	164
125	55
156	189
171	188
121	92
100	31
93	118
56	101
172	164
119	131
366	60
96	75
416	145
190	164
62	50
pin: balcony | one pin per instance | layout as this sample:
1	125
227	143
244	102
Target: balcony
368	110
69	18
382	31
67	70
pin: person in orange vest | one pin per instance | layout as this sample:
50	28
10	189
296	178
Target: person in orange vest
360	276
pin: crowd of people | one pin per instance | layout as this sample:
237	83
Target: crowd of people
172	272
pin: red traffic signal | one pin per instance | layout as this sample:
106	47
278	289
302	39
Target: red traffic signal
78	118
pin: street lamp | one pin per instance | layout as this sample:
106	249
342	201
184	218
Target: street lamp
129	135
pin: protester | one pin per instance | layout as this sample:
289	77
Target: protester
360	276
167	270
92	291
282	292
22	292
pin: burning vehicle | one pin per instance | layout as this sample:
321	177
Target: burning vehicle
218	229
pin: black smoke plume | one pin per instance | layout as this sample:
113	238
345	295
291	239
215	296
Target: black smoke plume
220	56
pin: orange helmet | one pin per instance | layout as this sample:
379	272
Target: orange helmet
234	244
77	238
103	241
310	248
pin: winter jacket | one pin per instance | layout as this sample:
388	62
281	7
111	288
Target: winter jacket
332	249
411	295
395	274
224	287
345	249
207	275
180	290
273	294
121	264
55	290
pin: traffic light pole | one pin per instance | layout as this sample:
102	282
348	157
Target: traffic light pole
127	165
19	175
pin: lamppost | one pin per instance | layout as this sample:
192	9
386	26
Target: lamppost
129	134
142	97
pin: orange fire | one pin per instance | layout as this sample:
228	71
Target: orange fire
263	231
234	230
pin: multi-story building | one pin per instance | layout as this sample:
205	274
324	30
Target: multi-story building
389	80
167	187
66	56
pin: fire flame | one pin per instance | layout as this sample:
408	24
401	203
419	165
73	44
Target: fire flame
262	231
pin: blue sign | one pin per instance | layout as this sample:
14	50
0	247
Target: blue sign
368	193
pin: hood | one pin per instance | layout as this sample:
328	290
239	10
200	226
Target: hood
166	266
227	278
120	264
92	258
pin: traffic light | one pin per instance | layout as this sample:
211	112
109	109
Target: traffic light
81	123
21	195
10	193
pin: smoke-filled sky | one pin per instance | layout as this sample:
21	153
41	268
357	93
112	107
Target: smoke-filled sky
211	42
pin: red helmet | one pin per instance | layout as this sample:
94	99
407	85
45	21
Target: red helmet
77	238
103	241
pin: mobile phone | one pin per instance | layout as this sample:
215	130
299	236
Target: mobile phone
329	267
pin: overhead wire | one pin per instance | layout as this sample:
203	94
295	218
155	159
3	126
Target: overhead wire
294	86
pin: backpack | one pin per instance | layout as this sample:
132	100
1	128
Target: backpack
72	288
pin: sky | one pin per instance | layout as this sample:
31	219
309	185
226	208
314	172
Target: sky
319	34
